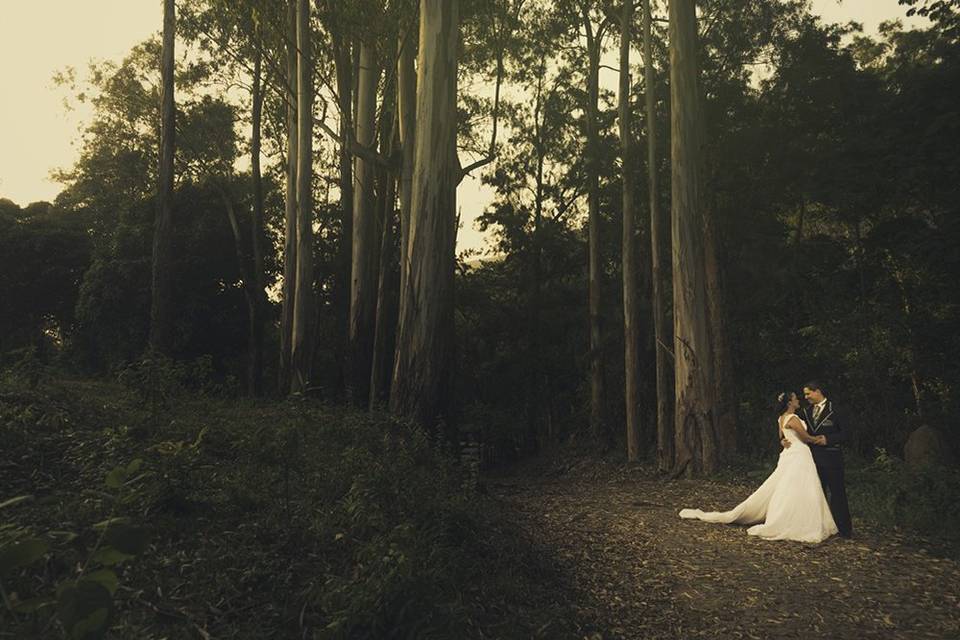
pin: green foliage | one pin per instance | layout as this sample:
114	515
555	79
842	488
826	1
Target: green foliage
833	177
43	254
157	379
265	519
406	533
81	601
888	494
109	198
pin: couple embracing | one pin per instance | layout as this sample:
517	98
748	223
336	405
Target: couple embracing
792	504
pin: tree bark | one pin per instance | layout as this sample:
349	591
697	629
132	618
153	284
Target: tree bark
344	68
366	245
302	355
597	414
694	419
535	374
387	281
256	231
290	232
631	316
665	431
424	364
726	400
161	308
407	109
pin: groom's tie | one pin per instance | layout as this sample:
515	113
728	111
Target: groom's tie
816	413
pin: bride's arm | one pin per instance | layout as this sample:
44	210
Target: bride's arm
795	424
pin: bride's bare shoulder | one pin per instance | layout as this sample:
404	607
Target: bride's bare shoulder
793	421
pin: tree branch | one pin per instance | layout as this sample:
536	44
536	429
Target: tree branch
367	154
492	152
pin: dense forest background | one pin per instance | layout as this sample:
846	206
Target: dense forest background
832	173
250	389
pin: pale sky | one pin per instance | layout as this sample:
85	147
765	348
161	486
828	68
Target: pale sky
38	39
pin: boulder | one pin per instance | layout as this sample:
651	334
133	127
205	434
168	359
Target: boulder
926	446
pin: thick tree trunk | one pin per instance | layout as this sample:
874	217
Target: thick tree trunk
290	230
161	309
695	428
424	365
366	239
631	316
303	306
407	110
384	339
665	431
256	232
355	59
385	322
344	67
726	400
597	414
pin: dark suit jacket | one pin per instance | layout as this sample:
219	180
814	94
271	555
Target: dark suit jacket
829	424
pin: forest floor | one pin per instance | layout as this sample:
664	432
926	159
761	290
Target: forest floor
636	570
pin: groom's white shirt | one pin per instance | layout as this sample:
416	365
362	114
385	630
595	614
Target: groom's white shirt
818	412
819	407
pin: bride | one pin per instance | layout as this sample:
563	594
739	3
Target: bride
790	504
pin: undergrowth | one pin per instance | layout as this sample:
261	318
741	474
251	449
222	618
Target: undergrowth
252	520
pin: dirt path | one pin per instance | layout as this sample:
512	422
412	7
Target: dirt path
614	533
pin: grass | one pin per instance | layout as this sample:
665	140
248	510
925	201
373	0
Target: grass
259	519
893	497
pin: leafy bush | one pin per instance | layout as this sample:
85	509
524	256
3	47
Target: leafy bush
157	379
266	520
891	495
79	600
403	527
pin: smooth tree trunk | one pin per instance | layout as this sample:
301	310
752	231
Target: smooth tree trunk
366	237
385	322
257	283
694	419
665	430
726	399
407	112
290	208
161	308
597	413
343	62
302	355
424	363
631	315
384	338
355	59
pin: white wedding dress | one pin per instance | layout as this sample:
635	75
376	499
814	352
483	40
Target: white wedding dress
789	505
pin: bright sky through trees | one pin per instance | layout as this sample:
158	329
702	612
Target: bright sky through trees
37	40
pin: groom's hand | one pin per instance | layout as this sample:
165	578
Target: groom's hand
785	443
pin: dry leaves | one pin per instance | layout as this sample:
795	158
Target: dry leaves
645	573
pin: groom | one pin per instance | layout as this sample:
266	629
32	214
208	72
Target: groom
824	424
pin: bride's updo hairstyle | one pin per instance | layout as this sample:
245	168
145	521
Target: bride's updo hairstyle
783	400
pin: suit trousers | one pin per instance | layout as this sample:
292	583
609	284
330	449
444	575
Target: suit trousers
830	469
